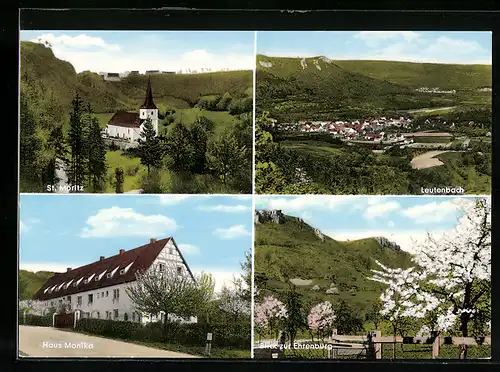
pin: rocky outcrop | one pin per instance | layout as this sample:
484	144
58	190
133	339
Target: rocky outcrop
274	216
332	290
319	234
316	288
266	64
384	242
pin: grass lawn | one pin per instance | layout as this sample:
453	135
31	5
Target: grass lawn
432	139
133	171
104	118
222	119
321	150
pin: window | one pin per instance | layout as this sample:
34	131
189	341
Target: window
51	303
68	299
98	295
179	270
102	294
60	301
115	315
116	295
91	299
152	112
161	267
106	293
79	301
125	317
98	315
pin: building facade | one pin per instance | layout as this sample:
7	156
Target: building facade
99	289
128	126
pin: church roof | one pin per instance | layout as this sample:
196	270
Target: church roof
125	119
148	101
139	259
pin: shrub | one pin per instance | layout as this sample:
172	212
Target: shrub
35	320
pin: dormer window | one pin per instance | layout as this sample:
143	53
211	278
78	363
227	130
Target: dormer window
46	289
91	277
67	285
123	271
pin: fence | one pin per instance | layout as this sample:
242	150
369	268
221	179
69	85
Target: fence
371	346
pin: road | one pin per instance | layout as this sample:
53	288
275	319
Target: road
427	160
432	109
51	342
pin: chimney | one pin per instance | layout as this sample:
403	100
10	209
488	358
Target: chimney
152	240
68	269
122	251
101	258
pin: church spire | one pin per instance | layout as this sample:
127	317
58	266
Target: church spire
148	101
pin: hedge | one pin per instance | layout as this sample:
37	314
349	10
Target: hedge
236	335
35	320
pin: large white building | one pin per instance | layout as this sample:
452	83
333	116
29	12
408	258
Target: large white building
98	290
128	125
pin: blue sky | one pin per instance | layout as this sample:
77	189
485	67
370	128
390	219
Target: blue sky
59	231
401	219
413	46
119	51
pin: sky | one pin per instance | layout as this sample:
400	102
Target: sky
60	231
470	47
404	220
120	51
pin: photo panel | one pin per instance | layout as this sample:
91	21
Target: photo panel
136	111
135	276
370	277
373	112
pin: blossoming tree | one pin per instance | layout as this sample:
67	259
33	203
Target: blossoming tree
268	315
321	318
451	280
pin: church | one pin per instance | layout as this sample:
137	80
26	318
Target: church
128	125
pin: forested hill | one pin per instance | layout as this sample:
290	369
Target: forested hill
306	88
288	250
40	68
30	282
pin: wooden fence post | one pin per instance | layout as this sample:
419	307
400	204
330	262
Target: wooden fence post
378	346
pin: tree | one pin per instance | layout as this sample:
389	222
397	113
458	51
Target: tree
150	149
269	314
226	156
321	318
295	321
451	276
199	133
179	148
96	157
166	292
374	315
234	301
23	285
346	320
76	139
119	180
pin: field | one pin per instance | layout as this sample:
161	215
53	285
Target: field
222	119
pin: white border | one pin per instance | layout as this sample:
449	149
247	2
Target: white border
253	200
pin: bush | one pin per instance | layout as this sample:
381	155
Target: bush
35	320
232	334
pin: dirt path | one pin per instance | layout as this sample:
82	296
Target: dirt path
427	160
51	342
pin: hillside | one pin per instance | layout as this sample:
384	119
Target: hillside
289	249
319	88
40	67
33	281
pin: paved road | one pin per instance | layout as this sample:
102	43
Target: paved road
50	342
427	160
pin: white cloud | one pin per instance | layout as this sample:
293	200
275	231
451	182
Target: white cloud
390	224
241	197
222	278
225	208
405	239
232	232
116	221
78	42
189	249
433	212
374	38
299	203
168	199
94	54
381	208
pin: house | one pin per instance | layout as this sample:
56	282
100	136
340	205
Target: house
98	289
168	72
112	76
128	125
152	72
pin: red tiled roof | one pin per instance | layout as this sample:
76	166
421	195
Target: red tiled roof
141	258
125	119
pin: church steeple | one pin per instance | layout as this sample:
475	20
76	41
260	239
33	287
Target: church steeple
148	101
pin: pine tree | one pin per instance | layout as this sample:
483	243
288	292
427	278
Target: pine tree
76	139
119	180
150	149
96	157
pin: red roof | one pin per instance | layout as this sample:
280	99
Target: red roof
141	259
125	119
